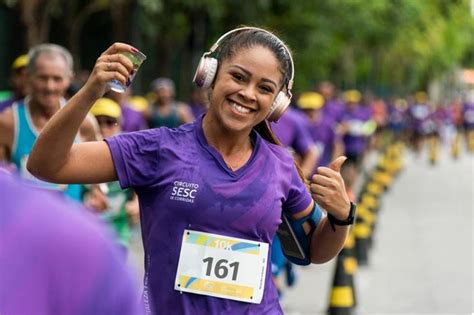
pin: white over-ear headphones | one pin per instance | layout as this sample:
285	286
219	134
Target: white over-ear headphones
207	68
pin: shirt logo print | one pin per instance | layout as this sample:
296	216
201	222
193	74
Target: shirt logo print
184	191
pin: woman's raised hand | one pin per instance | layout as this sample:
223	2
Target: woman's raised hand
111	65
328	189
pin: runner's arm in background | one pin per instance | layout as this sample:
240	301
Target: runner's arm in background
89	130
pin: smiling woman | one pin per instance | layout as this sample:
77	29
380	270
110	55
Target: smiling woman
245	88
211	192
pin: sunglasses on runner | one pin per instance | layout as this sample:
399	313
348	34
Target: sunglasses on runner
107	121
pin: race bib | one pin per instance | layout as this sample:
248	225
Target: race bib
221	266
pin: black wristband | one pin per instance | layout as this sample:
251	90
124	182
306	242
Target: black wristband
350	219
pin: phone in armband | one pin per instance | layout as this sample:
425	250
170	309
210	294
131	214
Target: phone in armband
289	242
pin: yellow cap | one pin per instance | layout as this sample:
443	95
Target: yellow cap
106	107
400	102
352	96
421	97
138	103
310	100
20	62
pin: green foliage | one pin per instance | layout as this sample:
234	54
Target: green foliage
355	43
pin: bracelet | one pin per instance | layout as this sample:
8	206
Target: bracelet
350	219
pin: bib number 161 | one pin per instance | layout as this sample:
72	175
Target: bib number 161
221	268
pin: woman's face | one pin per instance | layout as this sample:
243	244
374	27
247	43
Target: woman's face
245	87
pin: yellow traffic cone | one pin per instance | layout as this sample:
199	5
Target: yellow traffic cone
374	188
350	262
456	146
368	217
370	201
341	301
433	150
362	233
470	140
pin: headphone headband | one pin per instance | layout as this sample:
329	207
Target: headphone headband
289	86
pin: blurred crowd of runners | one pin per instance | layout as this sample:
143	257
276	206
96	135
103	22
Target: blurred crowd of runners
320	125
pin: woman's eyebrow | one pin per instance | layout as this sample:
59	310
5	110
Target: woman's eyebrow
249	74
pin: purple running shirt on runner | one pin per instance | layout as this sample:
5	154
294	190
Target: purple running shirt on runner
57	261
183	183
291	133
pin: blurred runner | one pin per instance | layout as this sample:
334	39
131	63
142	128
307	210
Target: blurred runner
356	128
18	81
58	262
468	122
322	131
333	108
165	110
419	114
397	118
290	130
49	74
113	204
131	119
199	101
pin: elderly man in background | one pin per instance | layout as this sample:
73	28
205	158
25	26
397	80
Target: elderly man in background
49	71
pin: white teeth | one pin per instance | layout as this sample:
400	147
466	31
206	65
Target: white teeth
240	109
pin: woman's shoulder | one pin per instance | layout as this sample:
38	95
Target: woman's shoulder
181	130
277	151
158	135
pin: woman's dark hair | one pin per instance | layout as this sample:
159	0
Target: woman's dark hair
251	37
254	37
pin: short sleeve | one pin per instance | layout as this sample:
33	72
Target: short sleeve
299	197
302	139
136	156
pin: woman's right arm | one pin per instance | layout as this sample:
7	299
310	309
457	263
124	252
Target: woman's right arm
54	157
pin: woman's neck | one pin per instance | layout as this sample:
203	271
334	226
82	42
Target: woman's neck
224	140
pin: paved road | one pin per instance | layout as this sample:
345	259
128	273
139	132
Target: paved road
422	258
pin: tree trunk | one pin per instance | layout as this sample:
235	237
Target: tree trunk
121	18
34	16
76	29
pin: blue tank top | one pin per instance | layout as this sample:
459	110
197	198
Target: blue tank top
24	138
171	120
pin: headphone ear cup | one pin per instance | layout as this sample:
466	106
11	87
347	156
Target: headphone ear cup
205	72
281	103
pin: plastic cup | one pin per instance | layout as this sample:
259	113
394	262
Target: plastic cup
137	59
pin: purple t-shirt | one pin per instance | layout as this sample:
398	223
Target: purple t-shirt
354	142
246	203
419	115
57	261
291	133
397	118
468	115
132	120
333	110
324	136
